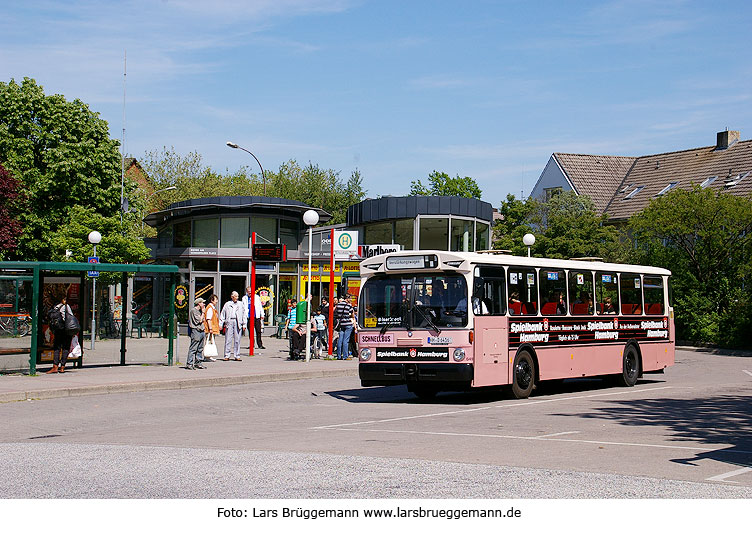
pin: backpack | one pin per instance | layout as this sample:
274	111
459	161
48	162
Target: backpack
56	320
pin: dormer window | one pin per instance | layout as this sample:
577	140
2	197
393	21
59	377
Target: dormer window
668	188
634	192
731	182
708	182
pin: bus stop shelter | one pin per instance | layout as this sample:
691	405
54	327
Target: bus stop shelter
33	272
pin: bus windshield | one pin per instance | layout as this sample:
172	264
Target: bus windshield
414	301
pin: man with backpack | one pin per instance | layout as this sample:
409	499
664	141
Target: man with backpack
57	317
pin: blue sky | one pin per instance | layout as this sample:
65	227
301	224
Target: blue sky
396	89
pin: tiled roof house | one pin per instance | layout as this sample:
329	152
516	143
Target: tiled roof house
622	186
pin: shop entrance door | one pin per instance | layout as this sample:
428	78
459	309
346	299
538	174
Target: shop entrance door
232	283
204	287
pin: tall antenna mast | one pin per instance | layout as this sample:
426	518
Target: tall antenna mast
122	146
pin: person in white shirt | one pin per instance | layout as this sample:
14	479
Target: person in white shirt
258	311
233	317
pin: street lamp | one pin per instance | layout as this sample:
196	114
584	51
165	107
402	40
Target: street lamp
94	238
146	202
310	218
263	176
528	240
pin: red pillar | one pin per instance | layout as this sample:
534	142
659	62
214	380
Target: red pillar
331	293
252	321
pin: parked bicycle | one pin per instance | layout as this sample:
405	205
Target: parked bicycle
15	324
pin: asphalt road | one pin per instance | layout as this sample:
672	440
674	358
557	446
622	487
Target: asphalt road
683	434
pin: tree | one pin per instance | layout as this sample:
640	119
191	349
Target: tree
440	184
62	154
311	184
12	201
513	224
705	239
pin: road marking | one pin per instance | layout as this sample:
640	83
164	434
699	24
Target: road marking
747	372
502	406
557	434
722	477
578	441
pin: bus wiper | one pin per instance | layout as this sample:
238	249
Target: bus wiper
427	319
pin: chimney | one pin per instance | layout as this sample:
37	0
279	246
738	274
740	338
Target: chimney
724	139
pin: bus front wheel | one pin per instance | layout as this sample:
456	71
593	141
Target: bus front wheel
630	367
523	378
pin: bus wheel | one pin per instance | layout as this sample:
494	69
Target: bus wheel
523	380
630	367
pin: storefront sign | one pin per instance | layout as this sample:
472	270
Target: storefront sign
181	296
266	295
370	250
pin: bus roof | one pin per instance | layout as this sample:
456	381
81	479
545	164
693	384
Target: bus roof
465	261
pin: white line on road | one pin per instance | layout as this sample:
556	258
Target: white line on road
577	441
747	372
722	477
557	434
506	405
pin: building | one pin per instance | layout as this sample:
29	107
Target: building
622	186
209	239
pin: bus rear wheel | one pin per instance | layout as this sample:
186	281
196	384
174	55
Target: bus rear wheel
523	375
630	367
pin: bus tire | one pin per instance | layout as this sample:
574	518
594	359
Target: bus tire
630	366
523	375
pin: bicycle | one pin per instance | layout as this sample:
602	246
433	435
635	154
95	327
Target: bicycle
15	324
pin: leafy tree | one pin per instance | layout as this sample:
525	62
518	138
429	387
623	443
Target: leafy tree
705	239
12	201
62	154
323	188
565	226
441	184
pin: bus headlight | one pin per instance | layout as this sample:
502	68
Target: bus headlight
365	354
459	354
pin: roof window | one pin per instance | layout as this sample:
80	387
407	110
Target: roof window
668	188
634	192
708	182
731	182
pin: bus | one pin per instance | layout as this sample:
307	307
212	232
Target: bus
456	321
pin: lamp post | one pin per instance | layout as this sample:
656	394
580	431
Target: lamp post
310	218
146	202
263	176
94	238
528	240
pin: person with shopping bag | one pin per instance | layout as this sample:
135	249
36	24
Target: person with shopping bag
212	329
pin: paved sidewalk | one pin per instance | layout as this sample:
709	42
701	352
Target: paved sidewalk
270	364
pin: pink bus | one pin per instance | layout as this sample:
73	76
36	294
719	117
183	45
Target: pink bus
438	321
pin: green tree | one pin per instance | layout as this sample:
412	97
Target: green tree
513	224
441	184
12	203
705	239
61	152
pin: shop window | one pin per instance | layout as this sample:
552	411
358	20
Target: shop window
205	232
164	237
234	232
434	233
205	265
181	236
233	266
403	232
553	288
266	229
462	235
289	234
378	233
481	236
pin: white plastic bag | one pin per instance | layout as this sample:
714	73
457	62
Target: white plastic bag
210	348
75	348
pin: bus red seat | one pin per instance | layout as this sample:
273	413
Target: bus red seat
580	309
654	309
515	308
549	308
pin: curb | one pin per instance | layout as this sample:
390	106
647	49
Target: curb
716	351
173	384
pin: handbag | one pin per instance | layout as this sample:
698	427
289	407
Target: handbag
210	348
71	324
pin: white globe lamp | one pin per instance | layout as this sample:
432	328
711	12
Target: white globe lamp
528	240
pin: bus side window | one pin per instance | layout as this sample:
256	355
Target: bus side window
606	293
581	292
523	291
630	288
493	298
653	293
